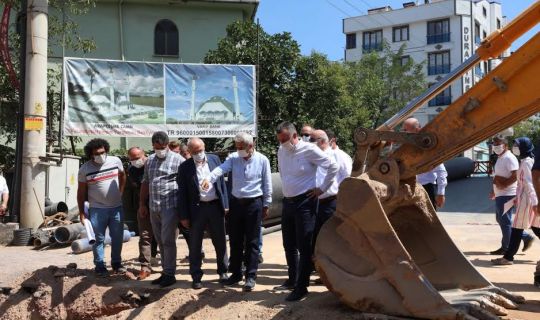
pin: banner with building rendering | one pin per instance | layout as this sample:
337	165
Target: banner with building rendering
136	99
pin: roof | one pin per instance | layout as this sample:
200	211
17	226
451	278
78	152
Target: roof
218	99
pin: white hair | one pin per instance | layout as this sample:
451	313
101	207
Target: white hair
193	140
243	137
324	137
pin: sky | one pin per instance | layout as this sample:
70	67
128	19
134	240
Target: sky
317	24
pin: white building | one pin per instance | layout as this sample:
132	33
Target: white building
441	33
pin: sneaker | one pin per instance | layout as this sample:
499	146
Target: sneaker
223	278
249	285
287	285
501	262
527	244
167	280
498	252
297	294
158	280
196	285
233	279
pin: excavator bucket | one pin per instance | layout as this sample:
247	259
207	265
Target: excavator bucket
391	255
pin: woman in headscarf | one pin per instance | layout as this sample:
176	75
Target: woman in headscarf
526	201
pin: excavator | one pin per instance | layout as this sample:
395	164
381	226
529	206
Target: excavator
385	250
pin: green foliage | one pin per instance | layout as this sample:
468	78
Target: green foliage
529	128
311	89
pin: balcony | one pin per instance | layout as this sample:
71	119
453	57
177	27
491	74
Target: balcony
438	38
440	101
372	47
440	69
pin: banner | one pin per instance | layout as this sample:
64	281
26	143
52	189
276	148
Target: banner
136	99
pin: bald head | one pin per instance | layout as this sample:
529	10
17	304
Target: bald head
135	153
195	145
321	138
411	125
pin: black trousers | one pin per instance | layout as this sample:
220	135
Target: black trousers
244	222
515	241
430	188
326	209
297	225
185	234
211	214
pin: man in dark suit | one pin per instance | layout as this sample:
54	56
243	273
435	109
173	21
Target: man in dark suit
199	208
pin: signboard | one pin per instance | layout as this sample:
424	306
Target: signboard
136	99
33	123
467	50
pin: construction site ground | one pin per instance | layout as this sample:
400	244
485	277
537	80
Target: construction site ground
59	293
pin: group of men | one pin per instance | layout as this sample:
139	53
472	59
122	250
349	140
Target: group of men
182	189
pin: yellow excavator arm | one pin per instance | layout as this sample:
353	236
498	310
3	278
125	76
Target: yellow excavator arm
385	250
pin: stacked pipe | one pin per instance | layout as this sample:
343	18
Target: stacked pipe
83	245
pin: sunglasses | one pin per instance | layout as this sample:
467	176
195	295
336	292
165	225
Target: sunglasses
305	134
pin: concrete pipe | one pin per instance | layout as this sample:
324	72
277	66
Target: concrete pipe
82	245
69	233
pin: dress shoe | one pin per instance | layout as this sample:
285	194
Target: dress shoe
527	244
233	279
143	274
167	280
223	278
287	285
501	262
249	285
297	294
498	252
158	280
196	285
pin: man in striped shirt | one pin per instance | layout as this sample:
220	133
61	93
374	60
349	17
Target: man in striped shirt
101	183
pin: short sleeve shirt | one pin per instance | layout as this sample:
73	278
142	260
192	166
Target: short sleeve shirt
506	163
3	186
102	182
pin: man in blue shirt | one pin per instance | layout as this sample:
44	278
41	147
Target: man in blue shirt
251	197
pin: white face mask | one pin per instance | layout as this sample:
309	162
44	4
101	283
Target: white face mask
100	159
242	153
199	157
305	138
139	163
498	149
515	150
289	146
161	153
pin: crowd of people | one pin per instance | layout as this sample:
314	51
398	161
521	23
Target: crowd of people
182	189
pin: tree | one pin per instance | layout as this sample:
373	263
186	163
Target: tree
63	31
529	128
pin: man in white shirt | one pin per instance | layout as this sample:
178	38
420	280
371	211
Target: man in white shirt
4	194
344	160
298	162
504	190
305	133
434	181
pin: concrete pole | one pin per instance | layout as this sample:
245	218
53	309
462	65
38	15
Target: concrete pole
35	108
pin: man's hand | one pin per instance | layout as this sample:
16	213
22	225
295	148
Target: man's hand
185	223
3	209
205	185
315	193
439	200
225	211
143	211
82	217
265	213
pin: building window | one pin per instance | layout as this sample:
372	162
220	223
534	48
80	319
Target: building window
400	34
484	11
404	60
438	63
498	23
442	99
350	41
477	39
372	41
484	34
166	38
438	31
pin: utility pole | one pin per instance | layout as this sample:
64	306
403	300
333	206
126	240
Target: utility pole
35	115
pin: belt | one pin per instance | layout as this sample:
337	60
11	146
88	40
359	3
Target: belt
209	202
298	197
327	199
244	201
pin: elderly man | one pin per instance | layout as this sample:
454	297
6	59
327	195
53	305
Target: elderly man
101	183
251	197
160	190
327	200
504	190
147	243
342	158
305	133
201	207
4	196
298	163
433	181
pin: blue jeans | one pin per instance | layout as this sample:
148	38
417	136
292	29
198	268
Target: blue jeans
101	219
504	219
